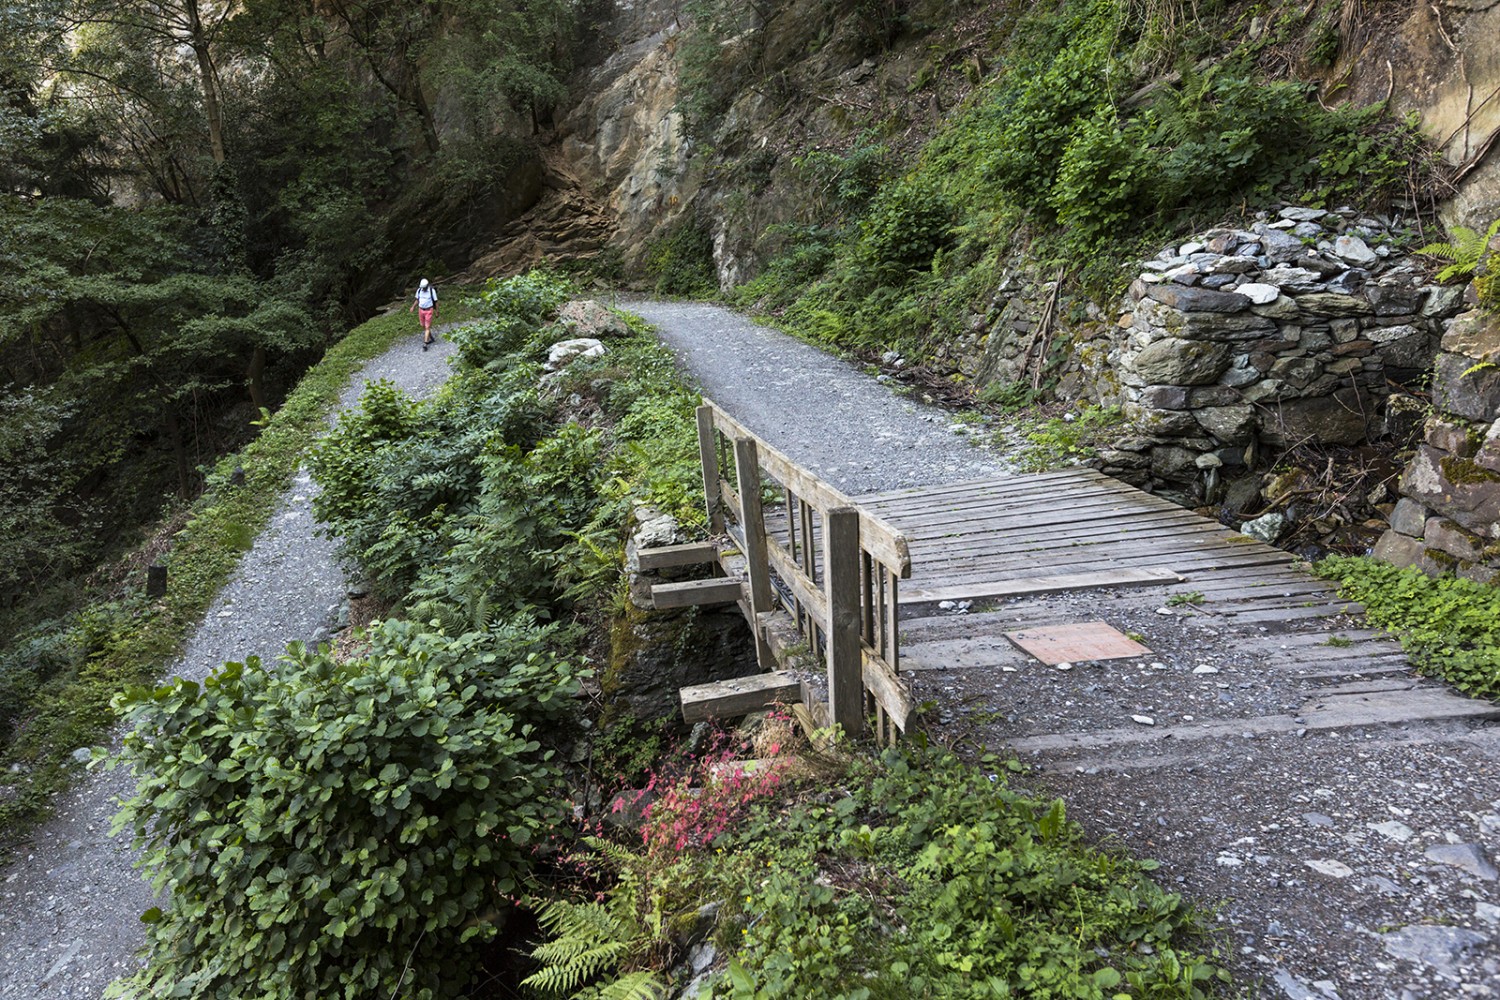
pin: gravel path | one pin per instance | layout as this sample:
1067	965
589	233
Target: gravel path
822	412
70	906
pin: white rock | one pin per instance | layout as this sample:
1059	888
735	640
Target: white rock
1354	250
1394	829
1259	292
1488	912
1063	666
1204	668
1188	249
1297	214
1144	720
1228	861
1336	869
565	352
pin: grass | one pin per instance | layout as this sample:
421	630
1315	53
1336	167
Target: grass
130	641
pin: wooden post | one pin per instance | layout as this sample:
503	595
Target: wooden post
747	475
846	686
708	456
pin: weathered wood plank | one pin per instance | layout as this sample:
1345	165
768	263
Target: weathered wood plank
752	523
889	691
1039	585
667	556
727	699
846	695
693	593
1342	713
708	459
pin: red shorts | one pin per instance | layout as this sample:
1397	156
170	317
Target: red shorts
425	315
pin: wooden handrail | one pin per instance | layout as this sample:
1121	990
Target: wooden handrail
853	606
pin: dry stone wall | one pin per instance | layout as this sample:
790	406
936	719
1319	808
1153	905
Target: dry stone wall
1448	519
1295	329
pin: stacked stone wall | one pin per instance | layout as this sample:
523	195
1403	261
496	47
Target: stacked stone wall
1293	330
1448	519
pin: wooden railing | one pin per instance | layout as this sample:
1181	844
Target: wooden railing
833	567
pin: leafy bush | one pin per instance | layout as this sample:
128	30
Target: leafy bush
909	222
515	308
682	262
340	829
919	875
1449	626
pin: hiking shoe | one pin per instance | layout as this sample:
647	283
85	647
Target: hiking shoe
424	345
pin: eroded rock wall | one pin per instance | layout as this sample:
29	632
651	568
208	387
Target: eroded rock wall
1448	519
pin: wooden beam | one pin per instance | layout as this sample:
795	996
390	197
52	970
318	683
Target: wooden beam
708	458
742	695
1124	577
846	694
889	691
752	522
665	556
695	592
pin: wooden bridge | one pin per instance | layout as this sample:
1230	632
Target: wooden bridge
846	596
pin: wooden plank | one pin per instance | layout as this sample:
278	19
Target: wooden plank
694	593
804	590
747	474
846	693
1125	503
666	556
889	691
708	459
1040	585
1343	713
877	535
742	695
1030	481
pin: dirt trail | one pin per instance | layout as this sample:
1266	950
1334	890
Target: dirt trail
70	903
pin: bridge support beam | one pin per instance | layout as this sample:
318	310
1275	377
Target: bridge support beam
846	690
757	563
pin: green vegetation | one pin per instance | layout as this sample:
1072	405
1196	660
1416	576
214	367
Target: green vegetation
1472	255
58	677
361	816
918	876
1449	626
1192	597
1058	442
1066	154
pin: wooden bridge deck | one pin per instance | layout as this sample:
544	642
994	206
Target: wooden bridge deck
1268	647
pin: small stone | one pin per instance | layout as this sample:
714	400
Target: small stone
1158	665
1394	830
1299	214
1334	869
1204	668
1259	293
82	755
1144	720
1488	912
1266	528
1468	857
1354	250
1063	666
1317	819
947	605
1228	861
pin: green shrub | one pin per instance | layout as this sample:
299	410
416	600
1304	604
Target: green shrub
327	829
682	262
1449	626
909	222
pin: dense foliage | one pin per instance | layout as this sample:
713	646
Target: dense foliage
195	200
58	675
1450	626
1075	150
916	876
330	828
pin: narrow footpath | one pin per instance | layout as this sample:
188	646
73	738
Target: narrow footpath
70	905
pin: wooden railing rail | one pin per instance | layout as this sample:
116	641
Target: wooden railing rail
836	564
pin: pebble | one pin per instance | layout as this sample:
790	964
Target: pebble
1393	829
1335	869
1467	857
1204	668
1144	720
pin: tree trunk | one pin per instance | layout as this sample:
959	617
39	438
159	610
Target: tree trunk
179	451
199	43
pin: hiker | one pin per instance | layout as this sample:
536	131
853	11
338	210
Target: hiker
425	304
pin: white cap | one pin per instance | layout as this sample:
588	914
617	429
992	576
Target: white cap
423	284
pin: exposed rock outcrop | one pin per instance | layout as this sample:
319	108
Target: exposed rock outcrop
1448	519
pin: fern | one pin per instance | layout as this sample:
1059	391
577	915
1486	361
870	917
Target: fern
588	941
1466	253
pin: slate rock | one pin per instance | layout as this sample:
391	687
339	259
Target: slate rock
1409	517
1460	388
1441	948
1335	304
1475	335
1198	299
1398	550
1279	246
1230	424
1259	293
1293	279
1342	418
1299	214
1354	250
1394	300
1173	361
1467	857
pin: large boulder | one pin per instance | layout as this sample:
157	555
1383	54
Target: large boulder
565	352
585	318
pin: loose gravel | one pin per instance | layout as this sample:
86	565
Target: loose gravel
70	904
824	413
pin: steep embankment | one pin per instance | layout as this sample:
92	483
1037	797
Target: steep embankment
70	906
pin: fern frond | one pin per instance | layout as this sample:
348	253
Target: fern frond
642	985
